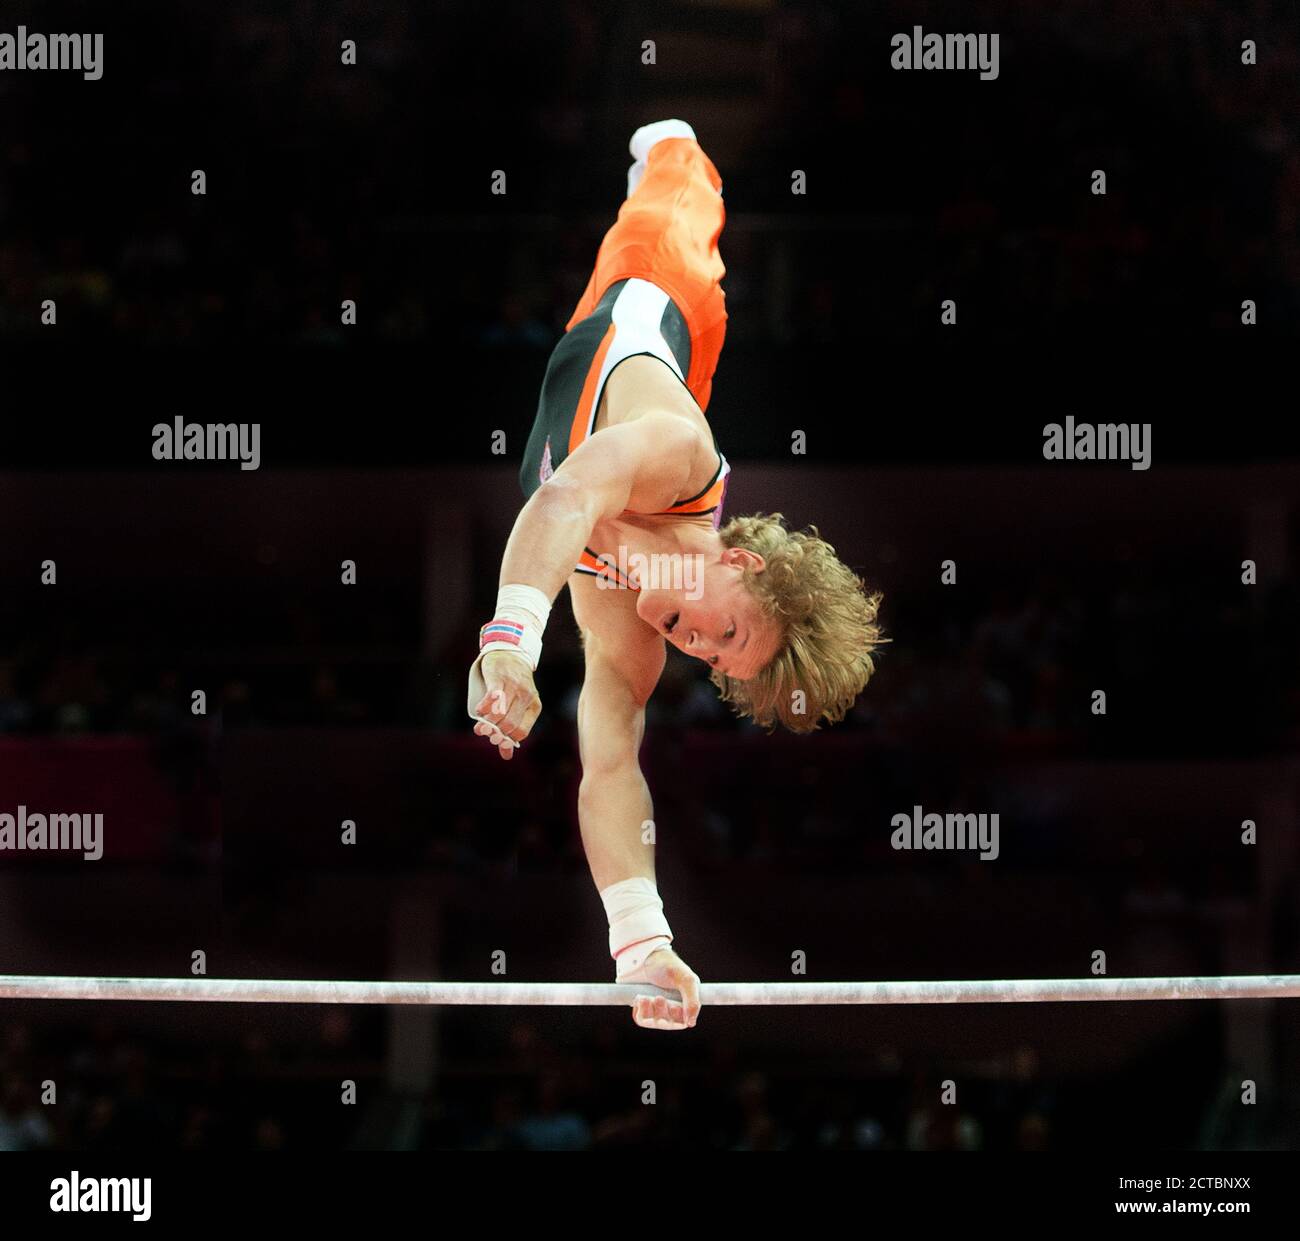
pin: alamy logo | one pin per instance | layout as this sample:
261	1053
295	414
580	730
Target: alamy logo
82	53
946	51
1086	441
103	1193
949	832
30	832
653	571
213	441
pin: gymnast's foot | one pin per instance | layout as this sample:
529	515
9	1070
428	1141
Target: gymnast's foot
644	139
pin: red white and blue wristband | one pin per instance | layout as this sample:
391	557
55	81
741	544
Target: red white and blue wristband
521	615
501	630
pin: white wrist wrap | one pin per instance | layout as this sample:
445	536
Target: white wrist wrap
516	626
637	926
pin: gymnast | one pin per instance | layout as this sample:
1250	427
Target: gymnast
625	487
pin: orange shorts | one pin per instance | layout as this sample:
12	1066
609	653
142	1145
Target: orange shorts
667	233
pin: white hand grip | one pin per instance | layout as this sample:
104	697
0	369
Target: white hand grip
477	688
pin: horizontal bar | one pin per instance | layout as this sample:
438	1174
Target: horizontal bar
323	991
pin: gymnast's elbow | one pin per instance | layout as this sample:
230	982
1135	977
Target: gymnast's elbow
610	731
567	502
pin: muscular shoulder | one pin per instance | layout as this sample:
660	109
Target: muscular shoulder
649	406
644	385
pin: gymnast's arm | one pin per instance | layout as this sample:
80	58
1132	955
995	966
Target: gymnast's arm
624	659
642	465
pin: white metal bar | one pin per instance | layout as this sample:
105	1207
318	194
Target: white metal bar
323	991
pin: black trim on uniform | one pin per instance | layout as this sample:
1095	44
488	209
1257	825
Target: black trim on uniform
561	391
645	353
672	327
566	374
704	512
597	572
716	475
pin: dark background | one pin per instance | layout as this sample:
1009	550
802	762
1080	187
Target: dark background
1119	833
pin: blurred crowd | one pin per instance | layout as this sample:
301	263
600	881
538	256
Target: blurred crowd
1014	668
103	1088
96	1087
1201	151
326	184
961	697
722	1105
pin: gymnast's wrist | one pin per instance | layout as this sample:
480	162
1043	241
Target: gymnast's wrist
637	926
517	624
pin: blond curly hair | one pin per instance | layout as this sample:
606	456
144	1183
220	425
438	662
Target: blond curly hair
828	627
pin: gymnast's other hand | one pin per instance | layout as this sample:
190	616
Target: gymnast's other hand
510	705
664	968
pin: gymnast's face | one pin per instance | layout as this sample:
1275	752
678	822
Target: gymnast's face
715	618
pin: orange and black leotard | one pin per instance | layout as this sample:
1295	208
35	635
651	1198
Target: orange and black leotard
656	290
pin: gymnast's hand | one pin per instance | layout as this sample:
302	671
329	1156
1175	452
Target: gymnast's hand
510	701
664	968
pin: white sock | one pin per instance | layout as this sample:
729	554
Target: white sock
656	131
